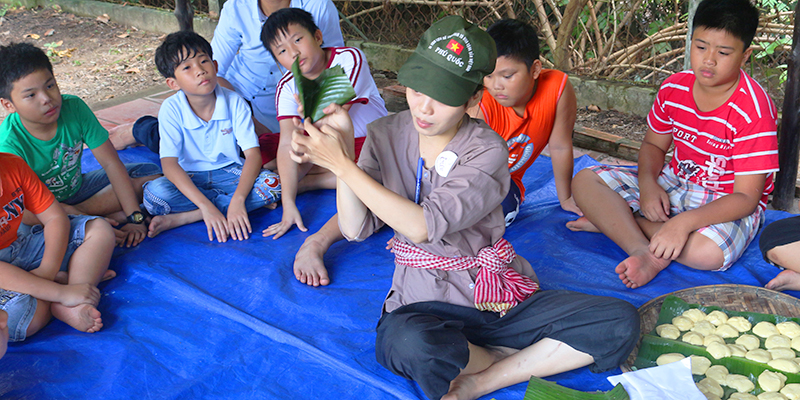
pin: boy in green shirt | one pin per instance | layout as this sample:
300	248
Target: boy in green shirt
48	130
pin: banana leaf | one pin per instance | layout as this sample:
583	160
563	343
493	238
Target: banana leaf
653	345
540	389
331	86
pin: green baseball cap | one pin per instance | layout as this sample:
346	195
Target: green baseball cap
450	61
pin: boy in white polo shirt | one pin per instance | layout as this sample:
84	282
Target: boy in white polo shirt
202	127
291	34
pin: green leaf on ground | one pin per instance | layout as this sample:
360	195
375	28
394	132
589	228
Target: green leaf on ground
331	86
540	389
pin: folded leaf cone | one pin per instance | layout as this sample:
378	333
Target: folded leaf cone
331	86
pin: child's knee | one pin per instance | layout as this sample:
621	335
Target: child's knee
154	196
99	229
584	177
707	256
268	186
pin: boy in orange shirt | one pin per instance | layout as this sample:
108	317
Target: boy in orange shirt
530	108
31	258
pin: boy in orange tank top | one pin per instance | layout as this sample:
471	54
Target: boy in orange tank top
529	107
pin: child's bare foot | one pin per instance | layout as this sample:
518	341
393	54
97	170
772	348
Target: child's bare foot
640	268
83	317
63	278
582	224
786	280
464	387
308	265
271	206
121	136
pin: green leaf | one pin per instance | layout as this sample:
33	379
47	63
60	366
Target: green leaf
540	389
653	345
331	86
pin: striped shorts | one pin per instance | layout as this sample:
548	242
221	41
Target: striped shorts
732	237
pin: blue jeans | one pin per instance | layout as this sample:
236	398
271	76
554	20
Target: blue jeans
145	131
26	252
95	181
161	197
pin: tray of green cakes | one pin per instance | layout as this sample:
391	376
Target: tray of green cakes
742	340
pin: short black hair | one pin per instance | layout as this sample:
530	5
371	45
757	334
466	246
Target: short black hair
279	21
18	61
516	40
177	48
737	17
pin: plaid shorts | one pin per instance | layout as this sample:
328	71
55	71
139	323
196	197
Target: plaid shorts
732	237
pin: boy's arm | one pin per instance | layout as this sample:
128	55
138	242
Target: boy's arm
18	280
289	172
654	202
238	222
122	185
215	221
670	239
561	148
56	234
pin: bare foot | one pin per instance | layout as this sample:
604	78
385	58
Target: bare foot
640	268
161	223
786	280
271	206
63	278
308	265
83	317
121	136
464	387
582	224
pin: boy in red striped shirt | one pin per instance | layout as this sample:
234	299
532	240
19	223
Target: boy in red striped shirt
704	207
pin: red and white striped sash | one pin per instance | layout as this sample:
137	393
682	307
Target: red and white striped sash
498	288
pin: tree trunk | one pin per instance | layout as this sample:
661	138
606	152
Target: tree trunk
185	15
561	53
687	61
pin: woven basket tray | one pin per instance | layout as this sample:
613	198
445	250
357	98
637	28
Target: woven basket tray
730	297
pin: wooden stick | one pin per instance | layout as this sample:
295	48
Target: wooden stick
362	12
546	30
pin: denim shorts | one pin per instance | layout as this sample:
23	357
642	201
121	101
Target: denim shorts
26	252
96	180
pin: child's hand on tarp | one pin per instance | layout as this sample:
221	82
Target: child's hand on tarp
216	224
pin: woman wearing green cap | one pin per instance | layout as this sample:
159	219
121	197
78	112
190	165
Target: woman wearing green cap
464	316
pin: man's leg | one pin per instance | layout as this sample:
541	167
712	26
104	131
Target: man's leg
780	245
97	197
309	267
611	215
144	131
567	330
699	252
169	207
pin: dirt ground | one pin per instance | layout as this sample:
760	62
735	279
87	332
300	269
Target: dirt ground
98	60
94	59
614	122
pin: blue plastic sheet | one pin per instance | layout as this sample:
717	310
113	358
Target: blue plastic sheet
189	318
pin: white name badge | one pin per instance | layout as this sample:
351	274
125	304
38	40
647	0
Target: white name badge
444	162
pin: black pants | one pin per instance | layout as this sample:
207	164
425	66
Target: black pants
779	233
427	342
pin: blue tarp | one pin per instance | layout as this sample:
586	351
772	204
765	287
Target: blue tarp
189	318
